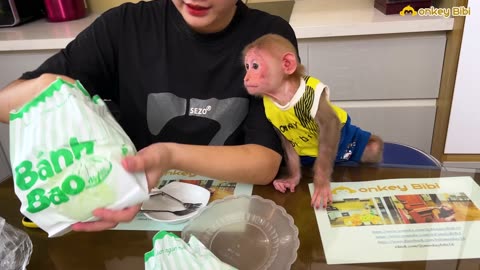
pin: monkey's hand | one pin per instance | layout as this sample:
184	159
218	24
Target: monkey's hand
284	184
322	195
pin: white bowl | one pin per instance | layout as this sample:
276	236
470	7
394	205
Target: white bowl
247	232
185	192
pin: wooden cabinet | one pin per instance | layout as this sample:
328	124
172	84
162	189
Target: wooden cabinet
15	63
387	83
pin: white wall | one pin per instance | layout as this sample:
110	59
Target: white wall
463	135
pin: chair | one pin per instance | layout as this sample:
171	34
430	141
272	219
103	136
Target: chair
398	155
402	155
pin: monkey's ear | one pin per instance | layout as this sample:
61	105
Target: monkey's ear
289	63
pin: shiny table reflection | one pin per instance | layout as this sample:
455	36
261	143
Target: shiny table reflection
118	250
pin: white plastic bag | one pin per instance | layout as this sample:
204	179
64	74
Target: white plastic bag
15	247
170	252
66	149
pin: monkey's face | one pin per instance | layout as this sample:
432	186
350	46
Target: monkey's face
206	16
263	73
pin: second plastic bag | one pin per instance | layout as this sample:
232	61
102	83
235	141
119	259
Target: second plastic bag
170	252
66	149
15	247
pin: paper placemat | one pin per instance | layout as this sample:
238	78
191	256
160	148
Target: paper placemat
401	220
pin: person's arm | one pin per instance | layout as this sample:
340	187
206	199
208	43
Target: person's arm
14	96
19	92
251	163
246	163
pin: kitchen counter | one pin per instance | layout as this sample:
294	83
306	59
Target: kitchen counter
309	19
42	35
314	18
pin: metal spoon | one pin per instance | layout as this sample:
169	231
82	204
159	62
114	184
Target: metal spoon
178	213
186	205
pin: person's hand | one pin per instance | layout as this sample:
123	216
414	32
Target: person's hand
322	195
107	219
154	160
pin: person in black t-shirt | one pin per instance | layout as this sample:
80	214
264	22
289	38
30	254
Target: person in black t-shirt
173	70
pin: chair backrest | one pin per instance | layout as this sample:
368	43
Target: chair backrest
402	155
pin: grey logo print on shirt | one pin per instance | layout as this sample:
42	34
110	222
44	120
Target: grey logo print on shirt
161	108
228	113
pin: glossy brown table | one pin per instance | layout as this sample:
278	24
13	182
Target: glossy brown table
118	250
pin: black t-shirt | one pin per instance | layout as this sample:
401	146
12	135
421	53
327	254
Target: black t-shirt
170	83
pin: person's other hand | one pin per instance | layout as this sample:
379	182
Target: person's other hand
107	219
154	160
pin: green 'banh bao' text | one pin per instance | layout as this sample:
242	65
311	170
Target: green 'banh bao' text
27	174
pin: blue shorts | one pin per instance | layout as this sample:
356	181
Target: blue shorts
353	141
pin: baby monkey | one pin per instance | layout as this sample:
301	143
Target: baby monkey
314	131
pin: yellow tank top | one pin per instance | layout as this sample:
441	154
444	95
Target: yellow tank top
297	121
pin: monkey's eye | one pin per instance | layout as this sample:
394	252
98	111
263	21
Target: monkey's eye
255	66
247	66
